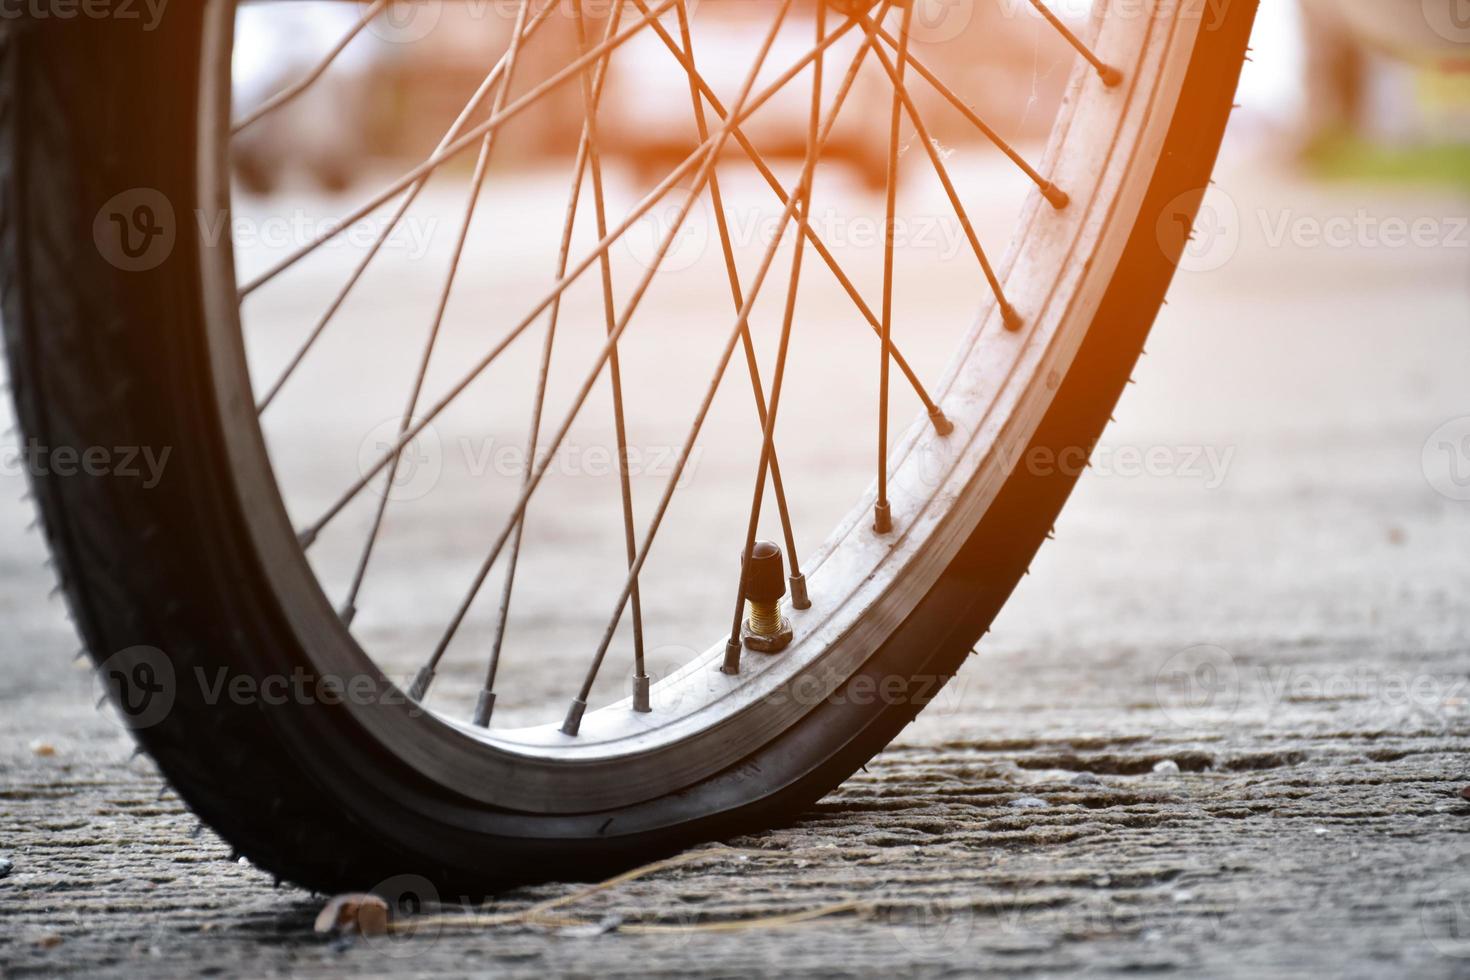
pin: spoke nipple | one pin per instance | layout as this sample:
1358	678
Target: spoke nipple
641	701
765	630
731	666
307	538
1011	318
799	597
574	717
421	682
348	614
942	424
1055	196
882	517
1111	77
484	707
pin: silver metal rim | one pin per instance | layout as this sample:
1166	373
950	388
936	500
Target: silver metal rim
999	385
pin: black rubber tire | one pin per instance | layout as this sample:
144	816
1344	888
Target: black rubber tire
105	357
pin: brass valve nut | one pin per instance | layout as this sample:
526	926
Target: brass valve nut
765	630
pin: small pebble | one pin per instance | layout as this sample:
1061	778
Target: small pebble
6	866
43	749
1465	793
1029	803
1088	779
353	913
1167	767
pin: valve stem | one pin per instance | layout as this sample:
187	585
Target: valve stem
765	629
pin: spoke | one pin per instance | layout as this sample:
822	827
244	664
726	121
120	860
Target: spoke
485	704
936	415
291	92
698	156
1009	316
482	164
768	433
464	115
453	150
798	580
710	156
1110	75
615	376
882	515
1054	195
574	715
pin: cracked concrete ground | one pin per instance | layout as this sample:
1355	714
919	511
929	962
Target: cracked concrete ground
1221	730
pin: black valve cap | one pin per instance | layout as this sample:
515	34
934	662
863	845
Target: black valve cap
765	580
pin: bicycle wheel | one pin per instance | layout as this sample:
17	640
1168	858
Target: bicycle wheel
229	604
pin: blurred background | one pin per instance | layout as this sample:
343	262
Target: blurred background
1354	87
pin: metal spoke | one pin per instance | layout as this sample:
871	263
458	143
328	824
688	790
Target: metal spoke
579	705
289	93
1110	76
798	580
485	703
936	415
711	155
1054	195
392	224
882	514
453	150
698	156
482	164
615	377
480	121
1009	316
731	664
